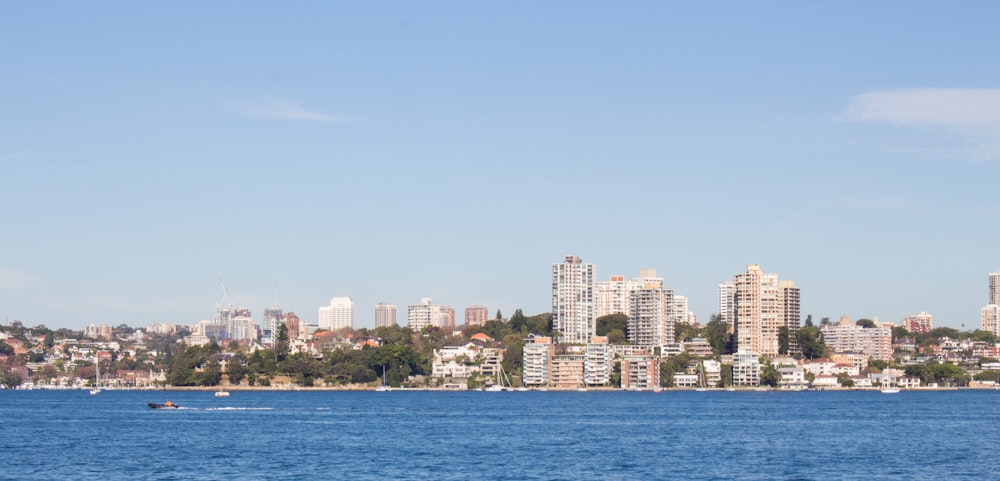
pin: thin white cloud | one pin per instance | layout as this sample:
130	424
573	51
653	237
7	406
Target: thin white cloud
962	123
284	109
945	107
12	279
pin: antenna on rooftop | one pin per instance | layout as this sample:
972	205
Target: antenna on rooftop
275	294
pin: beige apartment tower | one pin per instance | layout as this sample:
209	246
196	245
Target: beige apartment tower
762	306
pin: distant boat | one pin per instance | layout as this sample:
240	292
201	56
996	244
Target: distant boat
221	393
890	390
384	387
167	405
502	382
97	382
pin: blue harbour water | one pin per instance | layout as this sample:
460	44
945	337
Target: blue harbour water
420	435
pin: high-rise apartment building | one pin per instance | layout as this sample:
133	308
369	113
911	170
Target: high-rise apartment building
994	288
338	315
727	303
922	322
448	318
681	311
991	319
610	297
762	307
293	325
272	318
385	315
573	300
476	315
651	311
427	314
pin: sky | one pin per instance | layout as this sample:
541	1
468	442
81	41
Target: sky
153	152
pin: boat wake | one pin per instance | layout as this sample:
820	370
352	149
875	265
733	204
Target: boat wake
233	408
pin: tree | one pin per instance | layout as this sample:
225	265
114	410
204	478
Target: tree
809	320
606	324
719	336
496	329
617	336
236	368
810	341
499	315
281	343
845	380
11	379
770	376
671	365
865	323
211	375
784	340
980	335
519	323
513	357
6	348
684	332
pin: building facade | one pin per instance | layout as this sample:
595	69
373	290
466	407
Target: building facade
727	303
640	371
650	314
338	315
846	337
476	315
610	297
537	359
573	300
762	306
428	314
293	325
922	322
991	319
385	315
994	292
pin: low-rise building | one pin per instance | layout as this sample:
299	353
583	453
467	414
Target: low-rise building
746	369
640	371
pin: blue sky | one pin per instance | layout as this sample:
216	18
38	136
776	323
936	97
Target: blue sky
391	151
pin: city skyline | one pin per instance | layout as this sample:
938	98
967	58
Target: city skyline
395	152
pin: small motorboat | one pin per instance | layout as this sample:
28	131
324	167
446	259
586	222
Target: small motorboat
167	405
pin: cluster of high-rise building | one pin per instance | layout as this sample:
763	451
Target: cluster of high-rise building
578	300
757	306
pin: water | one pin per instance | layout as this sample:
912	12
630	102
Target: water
66	435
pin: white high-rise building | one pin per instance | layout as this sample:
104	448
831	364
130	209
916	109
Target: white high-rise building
385	315
610	297
727	303
680	310
338	315
573	300
419	316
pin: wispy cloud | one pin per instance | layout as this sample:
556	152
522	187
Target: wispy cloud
965	122
12	279
955	107
12	157
284	109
